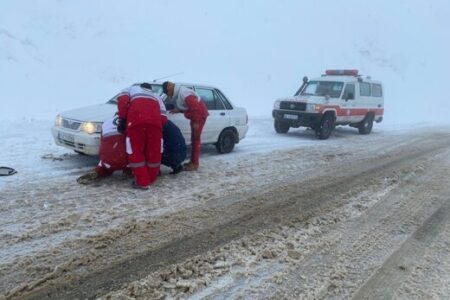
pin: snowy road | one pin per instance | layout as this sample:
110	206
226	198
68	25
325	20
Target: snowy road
282	217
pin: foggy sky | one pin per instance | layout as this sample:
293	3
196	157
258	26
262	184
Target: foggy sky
58	55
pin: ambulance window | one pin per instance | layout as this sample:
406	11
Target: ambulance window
376	90
211	101
323	88
349	92
364	89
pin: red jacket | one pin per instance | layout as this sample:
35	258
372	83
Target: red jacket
141	106
113	155
189	102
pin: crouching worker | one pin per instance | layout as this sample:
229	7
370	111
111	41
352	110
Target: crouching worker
113	155
174	148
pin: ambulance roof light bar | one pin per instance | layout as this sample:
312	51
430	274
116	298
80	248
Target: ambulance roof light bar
352	72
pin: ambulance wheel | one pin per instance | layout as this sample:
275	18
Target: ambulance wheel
326	126
281	127
365	127
226	142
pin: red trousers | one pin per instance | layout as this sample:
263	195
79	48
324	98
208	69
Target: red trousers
196	132
144	152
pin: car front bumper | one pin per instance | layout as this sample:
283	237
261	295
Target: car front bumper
297	118
88	144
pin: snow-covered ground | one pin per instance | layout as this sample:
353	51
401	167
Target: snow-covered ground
51	226
27	146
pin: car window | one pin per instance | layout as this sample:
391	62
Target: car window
156	88
364	89
113	100
377	90
224	99
349	91
218	101
210	98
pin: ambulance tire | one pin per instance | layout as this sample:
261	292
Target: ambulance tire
281	127
326	126
226	142
365	127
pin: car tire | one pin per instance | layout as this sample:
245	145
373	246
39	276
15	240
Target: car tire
326	126
365	127
281	127
226	142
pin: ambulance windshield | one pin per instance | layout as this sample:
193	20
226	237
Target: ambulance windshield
323	88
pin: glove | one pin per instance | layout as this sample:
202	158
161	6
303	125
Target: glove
121	125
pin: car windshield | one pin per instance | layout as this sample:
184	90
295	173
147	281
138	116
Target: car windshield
156	88
323	88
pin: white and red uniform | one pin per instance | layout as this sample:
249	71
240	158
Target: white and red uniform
145	114
113	156
196	111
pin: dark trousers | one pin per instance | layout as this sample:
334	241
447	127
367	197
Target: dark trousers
173	159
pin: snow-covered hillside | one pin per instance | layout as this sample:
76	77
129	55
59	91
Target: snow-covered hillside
56	55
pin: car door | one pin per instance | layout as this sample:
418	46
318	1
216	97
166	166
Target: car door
218	118
362	103
346	102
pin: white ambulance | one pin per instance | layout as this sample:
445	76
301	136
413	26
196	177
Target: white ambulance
339	97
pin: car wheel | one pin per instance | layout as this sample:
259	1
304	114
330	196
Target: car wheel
281	127
326	126
365	127
226	142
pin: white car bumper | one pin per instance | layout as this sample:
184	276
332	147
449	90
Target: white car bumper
242	130
75	140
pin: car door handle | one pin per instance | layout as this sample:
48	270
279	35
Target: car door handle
222	114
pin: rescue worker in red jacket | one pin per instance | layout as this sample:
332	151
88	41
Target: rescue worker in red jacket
142	115
188	102
113	156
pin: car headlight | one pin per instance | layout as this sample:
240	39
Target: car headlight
58	121
313	108
276	105
91	127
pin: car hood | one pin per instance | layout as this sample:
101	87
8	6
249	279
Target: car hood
93	113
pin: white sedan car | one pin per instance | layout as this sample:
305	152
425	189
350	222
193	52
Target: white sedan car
80	129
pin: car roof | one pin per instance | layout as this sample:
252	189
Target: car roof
344	78
189	84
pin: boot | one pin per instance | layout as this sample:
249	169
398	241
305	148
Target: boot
139	187
88	178
177	169
190	166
